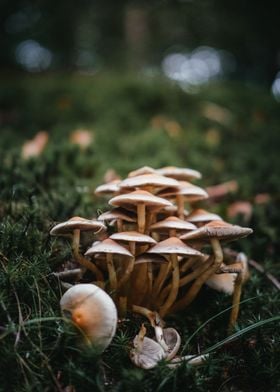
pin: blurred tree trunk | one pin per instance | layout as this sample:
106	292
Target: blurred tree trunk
136	36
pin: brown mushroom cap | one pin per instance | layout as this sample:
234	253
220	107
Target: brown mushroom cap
189	191
139	197
145	180
108	246
75	223
133	236
200	215
174	245
184	174
217	229
150	258
108	188
117	213
141	171
172	222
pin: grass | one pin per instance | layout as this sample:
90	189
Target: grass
135	122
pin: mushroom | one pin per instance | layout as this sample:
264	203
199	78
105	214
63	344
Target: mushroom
92	310
109	248
118	215
148	182
183	174
185	192
146	353
174	247
108	189
172	225
212	232
132	237
141	200
200	216
73	227
142	170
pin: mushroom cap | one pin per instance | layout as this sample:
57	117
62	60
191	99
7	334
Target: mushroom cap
189	191
173	341
200	215
117	213
108	246
172	222
133	236
222	282
142	170
174	245
179	173
217	229
150	258
144	180
139	197
77	223
93	311
108	188
147	353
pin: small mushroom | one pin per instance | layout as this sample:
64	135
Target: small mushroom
185	192
73	227
109	248
179	173
92	310
146	353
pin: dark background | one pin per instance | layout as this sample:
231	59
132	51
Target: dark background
90	35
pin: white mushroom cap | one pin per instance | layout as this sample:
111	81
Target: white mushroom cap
77	223
108	246
222	282
145	180
172	222
117	213
141	171
147	353
133	236
184	174
108	188
139	197
175	246
199	215
93	311
189	191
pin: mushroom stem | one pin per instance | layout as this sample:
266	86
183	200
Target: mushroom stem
141	216
186	279
83	261
129	267
194	289
240	279
174	287
152	316
180	206
162	275
112	273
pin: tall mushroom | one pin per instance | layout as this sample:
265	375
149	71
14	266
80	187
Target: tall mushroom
212	232
185	192
109	248
141	200
73	228
172	246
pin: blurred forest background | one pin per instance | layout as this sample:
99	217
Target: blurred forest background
240	38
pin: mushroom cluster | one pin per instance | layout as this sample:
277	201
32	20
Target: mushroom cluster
151	254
